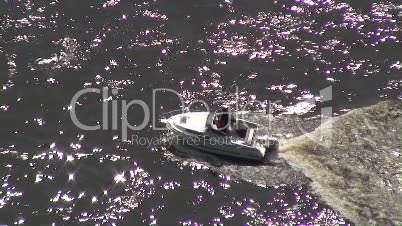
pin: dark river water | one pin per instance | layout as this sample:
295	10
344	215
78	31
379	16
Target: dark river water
52	172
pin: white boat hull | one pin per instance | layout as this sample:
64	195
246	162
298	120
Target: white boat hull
192	133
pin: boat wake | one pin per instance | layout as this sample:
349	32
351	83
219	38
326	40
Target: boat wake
359	174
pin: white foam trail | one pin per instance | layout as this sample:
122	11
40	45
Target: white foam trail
360	173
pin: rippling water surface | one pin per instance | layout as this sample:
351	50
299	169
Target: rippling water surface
51	172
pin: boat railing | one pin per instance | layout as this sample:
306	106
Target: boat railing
167	115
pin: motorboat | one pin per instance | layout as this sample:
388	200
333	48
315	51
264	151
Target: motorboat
238	138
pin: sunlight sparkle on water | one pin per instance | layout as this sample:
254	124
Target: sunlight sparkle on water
119	178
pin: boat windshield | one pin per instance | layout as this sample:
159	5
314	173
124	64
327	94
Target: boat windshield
228	124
